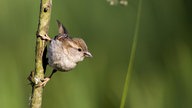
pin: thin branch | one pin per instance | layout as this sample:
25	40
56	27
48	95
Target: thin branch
43	27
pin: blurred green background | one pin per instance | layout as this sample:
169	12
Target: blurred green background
163	67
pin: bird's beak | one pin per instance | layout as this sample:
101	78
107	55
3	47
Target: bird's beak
88	54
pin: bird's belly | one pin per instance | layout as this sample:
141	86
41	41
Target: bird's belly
57	57
62	65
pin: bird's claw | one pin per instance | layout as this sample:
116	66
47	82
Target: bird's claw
45	37
44	82
31	77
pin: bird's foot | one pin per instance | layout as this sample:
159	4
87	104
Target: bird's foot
45	37
44	82
31	77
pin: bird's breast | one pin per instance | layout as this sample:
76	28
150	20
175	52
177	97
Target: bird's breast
58	57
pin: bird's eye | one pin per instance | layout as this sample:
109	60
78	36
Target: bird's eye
79	49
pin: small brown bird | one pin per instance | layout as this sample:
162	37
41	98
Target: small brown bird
64	52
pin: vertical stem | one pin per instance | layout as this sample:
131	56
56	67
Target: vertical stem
43	27
132	57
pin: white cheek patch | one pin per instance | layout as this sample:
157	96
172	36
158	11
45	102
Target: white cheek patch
75	55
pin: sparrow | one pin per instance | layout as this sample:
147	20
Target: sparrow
64	52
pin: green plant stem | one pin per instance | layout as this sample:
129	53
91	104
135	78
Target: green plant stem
132	57
43	27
